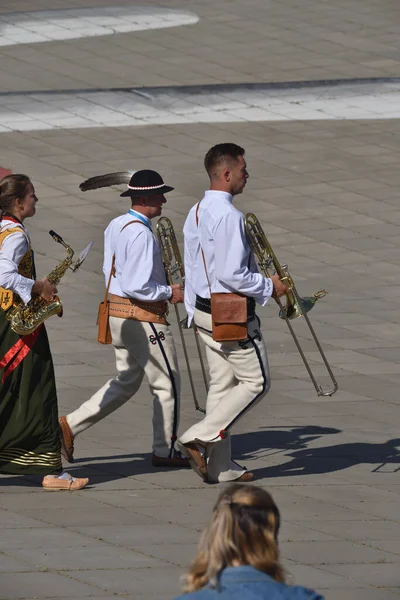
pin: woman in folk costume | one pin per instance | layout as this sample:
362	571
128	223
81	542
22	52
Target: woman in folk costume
29	432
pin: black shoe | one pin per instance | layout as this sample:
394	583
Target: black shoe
177	461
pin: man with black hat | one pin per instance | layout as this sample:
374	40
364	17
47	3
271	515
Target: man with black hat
143	343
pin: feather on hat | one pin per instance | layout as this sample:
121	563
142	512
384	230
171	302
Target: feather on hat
140	183
106	180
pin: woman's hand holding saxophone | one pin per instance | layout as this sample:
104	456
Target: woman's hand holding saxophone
44	288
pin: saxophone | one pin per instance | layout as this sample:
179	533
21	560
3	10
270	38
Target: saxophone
25	318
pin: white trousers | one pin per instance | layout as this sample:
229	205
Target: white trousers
140	349
239	378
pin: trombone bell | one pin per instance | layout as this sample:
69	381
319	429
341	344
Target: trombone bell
298	307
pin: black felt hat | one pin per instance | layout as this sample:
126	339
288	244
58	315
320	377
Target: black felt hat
146	183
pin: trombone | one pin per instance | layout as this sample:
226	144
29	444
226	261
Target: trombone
175	271
295	305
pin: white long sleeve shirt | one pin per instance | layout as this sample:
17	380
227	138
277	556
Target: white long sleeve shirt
139	269
221	235
13	248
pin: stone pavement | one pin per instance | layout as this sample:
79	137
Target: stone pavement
326	192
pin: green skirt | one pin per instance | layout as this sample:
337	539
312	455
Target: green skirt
29	432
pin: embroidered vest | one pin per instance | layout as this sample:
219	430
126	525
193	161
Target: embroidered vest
26	269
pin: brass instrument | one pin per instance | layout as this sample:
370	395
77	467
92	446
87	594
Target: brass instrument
175	271
295	305
26	318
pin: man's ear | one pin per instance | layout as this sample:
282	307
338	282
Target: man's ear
135	200
226	174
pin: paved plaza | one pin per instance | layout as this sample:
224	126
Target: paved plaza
324	171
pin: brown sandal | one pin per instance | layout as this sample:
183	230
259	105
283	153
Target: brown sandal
67	440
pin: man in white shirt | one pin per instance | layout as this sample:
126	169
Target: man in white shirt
218	259
142	340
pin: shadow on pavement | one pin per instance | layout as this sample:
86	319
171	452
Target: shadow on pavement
307	461
292	442
249	445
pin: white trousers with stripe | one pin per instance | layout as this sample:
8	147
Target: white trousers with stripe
140	349
239	379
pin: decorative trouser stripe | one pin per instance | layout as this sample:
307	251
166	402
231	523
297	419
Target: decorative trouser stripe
258	395
171	376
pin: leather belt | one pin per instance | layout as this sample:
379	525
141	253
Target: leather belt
204	304
138	310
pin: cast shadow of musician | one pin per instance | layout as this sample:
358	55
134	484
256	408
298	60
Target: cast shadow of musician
246	446
293	442
118	466
272	440
383	458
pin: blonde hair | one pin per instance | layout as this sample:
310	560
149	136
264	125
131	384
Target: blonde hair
243	531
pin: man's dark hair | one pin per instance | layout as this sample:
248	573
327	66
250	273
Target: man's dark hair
219	154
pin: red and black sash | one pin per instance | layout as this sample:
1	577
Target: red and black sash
16	354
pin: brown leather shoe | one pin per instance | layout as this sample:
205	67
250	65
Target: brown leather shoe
71	484
247	476
196	460
67	440
177	460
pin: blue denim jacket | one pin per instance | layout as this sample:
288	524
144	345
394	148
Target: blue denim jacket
248	583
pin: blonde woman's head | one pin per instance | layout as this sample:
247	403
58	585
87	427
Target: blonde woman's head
243	531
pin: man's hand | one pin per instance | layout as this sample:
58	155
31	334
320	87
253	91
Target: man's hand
280	289
45	289
177	293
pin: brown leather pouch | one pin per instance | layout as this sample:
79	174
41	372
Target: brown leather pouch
228	311
229	317
104	332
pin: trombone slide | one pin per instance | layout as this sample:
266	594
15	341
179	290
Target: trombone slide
174	270
295	305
